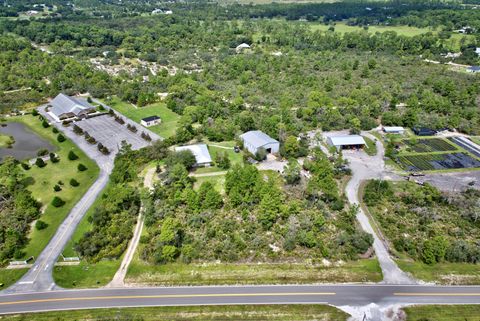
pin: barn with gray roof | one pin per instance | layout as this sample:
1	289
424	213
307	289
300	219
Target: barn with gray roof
254	140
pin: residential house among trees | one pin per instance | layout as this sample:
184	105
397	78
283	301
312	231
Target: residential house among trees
254	140
63	106
150	121
201	153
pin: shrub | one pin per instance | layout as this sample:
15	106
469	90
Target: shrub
54	158
55	130
91	140
40	225
81	167
146	136
100	146
105	150
74	182
34	112
58	202
25	166
89	99
111	112
222	160
57	188
77	130
42	152
72	156
40	163
61	138
45	124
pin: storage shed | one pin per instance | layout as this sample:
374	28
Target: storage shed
201	153
254	140
346	142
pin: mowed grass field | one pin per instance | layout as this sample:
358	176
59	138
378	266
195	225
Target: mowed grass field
443	273
42	181
453	43
301	312
143	273
443	313
10	276
169	118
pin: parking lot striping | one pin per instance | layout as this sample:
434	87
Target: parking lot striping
435	294
166	296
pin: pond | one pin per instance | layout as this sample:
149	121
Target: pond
27	143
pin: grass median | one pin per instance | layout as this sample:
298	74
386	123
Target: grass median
194	313
443	313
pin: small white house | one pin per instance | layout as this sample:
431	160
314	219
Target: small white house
394	130
346	142
201	153
150	121
255	139
477	51
241	47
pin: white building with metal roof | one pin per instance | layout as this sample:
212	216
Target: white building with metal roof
394	130
201	153
63	106
255	139
346	142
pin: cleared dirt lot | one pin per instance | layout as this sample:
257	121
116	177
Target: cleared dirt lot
452	182
111	134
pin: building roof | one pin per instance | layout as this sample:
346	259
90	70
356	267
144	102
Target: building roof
150	118
347	140
393	128
200	151
474	68
63	104
257	138
243	46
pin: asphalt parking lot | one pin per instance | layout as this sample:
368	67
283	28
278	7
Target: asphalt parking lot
111	134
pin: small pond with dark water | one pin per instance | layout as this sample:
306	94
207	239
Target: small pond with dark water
27	143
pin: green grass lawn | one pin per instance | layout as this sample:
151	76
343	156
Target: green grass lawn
443	273
217	181
169	118
43	179
443	313
10	276
85	275
453	42
5	140
371	148
140	272
475	139
235	158
300	312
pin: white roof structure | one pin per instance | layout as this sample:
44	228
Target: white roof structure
258	139
393	129
477	51
63	104
347	140
200	151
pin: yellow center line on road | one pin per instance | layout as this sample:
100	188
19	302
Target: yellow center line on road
435	294
166	296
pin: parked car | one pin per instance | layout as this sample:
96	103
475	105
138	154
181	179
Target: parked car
236	149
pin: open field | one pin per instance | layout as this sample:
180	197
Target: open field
85	275
224	273
194	313
443	313
169	118
443	273
10	276
43	179
453	43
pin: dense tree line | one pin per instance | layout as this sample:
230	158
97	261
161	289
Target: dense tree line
426	224
259	218
17	210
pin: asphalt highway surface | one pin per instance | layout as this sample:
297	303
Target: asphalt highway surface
337	295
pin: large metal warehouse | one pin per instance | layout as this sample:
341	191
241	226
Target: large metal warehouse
346	142
254	140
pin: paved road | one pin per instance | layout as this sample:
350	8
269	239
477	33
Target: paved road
39	277
337	295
